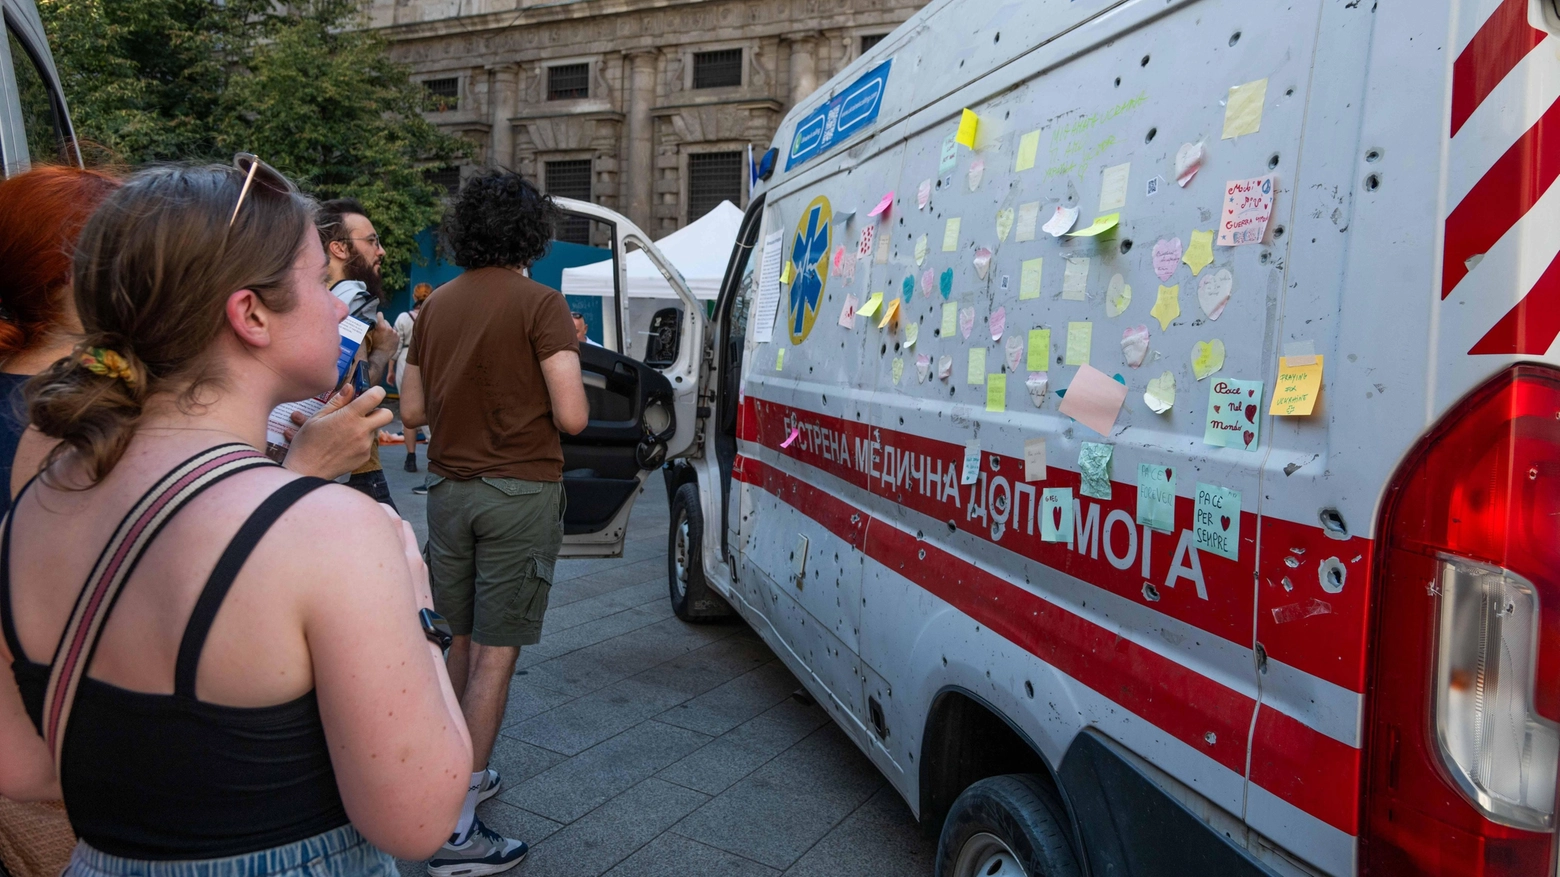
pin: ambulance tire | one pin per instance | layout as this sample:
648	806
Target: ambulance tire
692	599
1006	826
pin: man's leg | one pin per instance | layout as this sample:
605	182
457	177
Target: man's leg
457	661
490	670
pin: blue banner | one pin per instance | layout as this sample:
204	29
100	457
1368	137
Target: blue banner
853	109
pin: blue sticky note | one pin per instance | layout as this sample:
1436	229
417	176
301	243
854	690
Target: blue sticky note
1234	413
1156	497
1056	514
1216	521
945	282
908	288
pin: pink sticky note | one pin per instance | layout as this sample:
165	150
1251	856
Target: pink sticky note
1248	204
1167	257
883	206
795	431
1094	399
997	322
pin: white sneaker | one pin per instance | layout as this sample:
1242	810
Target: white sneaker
491	783
484	852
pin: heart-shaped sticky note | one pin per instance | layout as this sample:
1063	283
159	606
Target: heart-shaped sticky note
1117	296
1015	352
899	369
907	289
839	257
926	280
1161	393
982	264
1167	258
1134	345
997	323
967	322
1036	384
1188	159
977	172
1213	292
1004	223
923	367
1207	358
944	367
920	249
944	282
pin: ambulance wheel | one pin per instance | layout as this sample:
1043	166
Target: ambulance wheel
1006	826
692	598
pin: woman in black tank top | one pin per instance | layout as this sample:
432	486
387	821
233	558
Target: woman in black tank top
220	665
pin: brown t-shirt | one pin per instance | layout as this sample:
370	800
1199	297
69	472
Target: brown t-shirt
479	346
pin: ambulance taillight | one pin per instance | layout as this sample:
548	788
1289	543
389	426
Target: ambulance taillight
1463	741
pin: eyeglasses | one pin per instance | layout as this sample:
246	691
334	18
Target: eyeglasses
255	169
372	240
576	315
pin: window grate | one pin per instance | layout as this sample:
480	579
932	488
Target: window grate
871	40
720	69
568	81
443	94
713	177
446	178
570	179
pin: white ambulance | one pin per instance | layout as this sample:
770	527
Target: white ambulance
1290	603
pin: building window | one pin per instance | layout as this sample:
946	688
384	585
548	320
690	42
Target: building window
568	81
713	177
570	179
443	94
867	42
717	69
446	178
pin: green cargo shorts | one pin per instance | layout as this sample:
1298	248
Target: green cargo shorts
492	543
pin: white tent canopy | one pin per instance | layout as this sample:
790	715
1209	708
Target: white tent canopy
699	250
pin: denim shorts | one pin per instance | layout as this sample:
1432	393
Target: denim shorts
341	852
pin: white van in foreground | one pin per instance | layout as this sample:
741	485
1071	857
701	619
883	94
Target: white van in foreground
1291	604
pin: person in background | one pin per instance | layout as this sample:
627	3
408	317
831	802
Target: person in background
253	699
495	370
403	331
352	244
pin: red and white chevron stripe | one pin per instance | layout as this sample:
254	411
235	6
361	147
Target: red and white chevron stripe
1503	226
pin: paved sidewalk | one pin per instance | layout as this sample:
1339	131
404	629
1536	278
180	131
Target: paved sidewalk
637	745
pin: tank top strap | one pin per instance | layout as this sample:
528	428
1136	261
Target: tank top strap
13	643
225	572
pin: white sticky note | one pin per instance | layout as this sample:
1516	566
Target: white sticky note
971	463
1028	215
1062	221
1034	459
1075	280
951	235
1113	187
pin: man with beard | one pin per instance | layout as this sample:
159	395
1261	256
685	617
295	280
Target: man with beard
355	255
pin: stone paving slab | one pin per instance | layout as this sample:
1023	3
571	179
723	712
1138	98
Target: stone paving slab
635	745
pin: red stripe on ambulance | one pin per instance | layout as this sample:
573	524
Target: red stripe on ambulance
1501	43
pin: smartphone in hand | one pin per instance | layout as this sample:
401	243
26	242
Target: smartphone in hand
360	379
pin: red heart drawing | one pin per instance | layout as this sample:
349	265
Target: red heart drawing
1224	521
1250	393
1056	513
1168	473
1251	414
1248	435
1216	409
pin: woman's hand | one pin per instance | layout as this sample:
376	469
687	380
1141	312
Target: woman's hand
338	438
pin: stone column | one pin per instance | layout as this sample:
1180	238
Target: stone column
503	94
637	181
804	65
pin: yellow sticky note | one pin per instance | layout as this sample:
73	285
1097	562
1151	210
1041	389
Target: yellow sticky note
1200	253
1029	279
950	320
951	235
1039	349
1299	382
787	273
1243	109
780	359
1168	306
996	392
1101	224
871	307
968	122
890	313
1080	338
977	370
920	249
1028	145
1004	223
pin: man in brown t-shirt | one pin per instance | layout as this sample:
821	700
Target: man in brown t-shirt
494	369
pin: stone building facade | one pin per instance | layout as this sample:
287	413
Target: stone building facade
644	106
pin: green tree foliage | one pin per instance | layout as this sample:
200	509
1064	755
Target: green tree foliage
301	84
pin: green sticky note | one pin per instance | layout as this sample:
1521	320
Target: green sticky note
1234	414
996	392
1080	338
1216	521
1156	497
780	359
1029	279
1094	467
950	320
1056	514
951	234
1039	349
1028	145
870	308
1101	225
977	369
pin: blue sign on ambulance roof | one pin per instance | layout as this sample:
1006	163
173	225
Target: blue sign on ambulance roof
853	109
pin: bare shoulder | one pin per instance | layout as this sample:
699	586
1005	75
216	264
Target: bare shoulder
336	537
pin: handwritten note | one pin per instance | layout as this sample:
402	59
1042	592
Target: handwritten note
1056	514
951	234
1034	459
1061	221
976	372
1075	279
950	320
1029	279
1160	395
1167	306
848	312
1156	497
1028	145
1243	109
1080	340
1200	253
890	313
1039	349
1299	383
1216	521
1028	215
996	392
1004	223
1113	187
950	154
969	123
1248	205
1101	225
1234	414
1207	358
971	469
1167	258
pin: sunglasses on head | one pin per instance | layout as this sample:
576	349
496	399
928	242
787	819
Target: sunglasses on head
257	171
